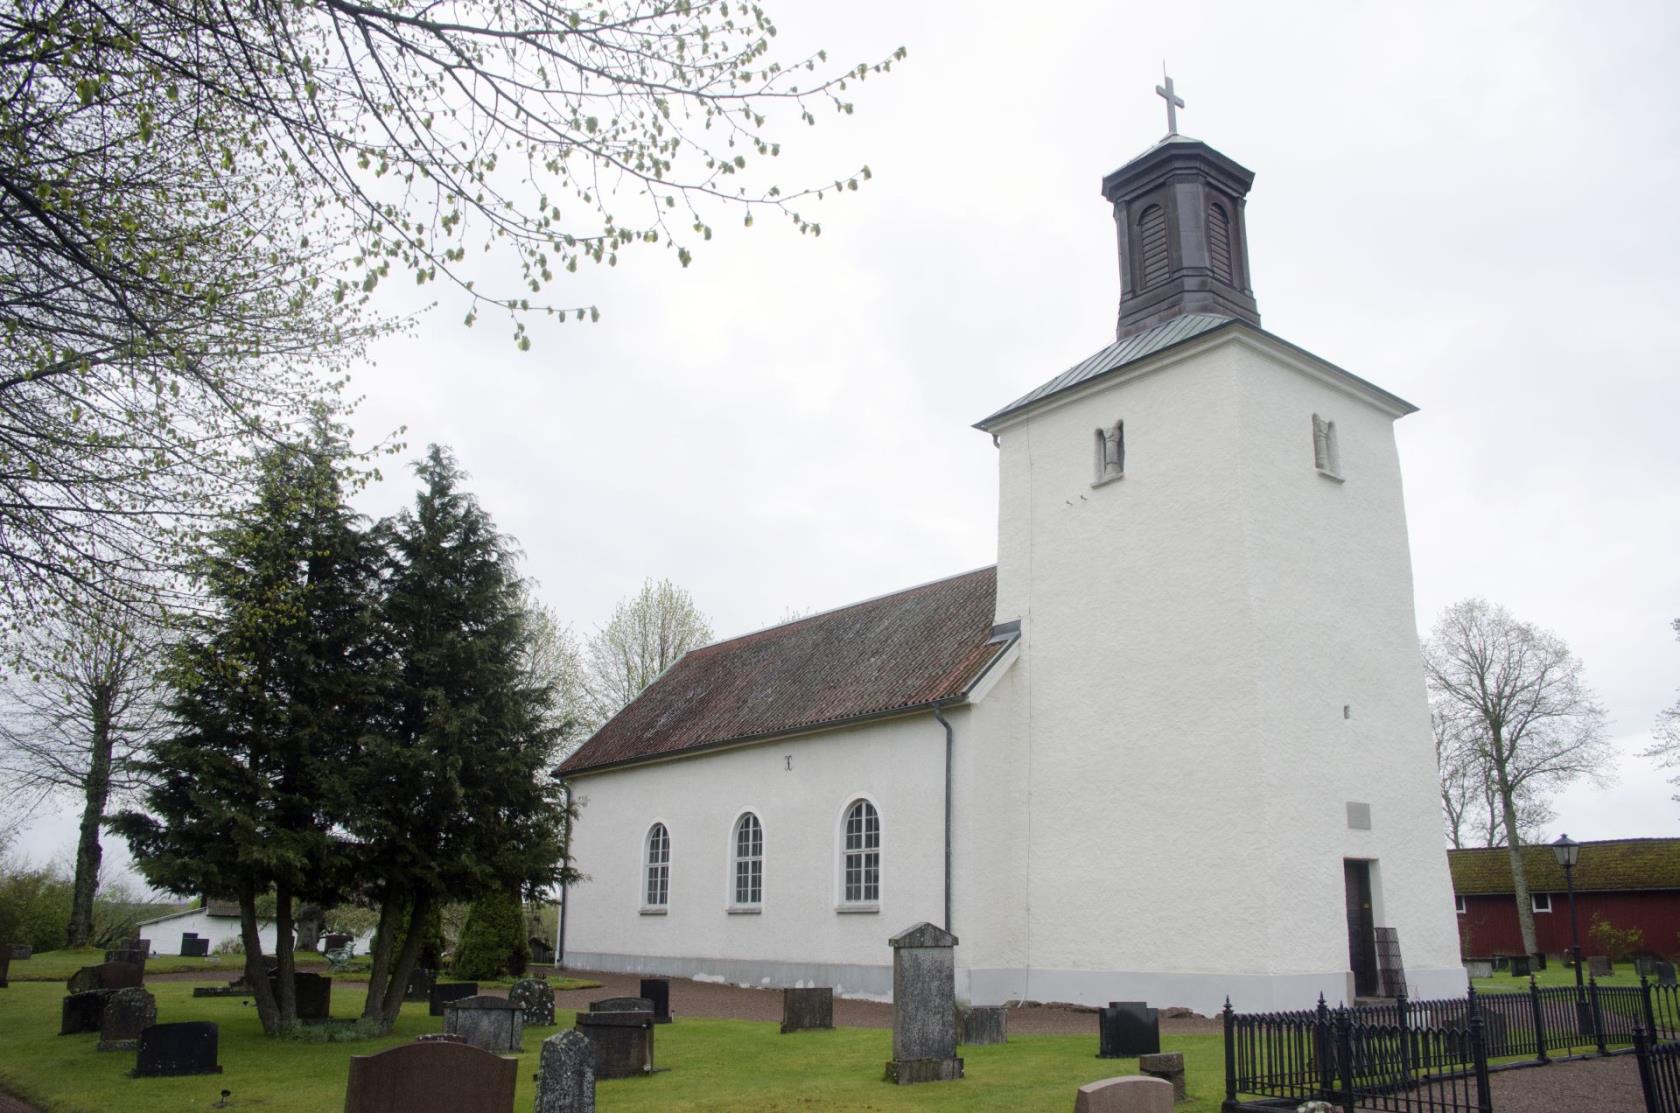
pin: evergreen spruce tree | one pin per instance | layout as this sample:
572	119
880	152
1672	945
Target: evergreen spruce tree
454	797
273	689
493	944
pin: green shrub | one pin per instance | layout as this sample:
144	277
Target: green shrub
34	907
493	943
1617	943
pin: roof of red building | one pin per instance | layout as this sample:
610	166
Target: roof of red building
911	649
1611	865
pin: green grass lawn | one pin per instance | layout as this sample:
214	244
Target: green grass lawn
1554	974
713	1065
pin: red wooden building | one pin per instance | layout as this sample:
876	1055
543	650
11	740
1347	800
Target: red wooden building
1629	882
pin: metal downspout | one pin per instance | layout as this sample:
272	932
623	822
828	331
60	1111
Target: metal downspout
950	742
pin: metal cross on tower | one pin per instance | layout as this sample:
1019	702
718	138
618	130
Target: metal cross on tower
1174	102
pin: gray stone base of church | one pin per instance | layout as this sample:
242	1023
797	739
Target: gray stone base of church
872	983
906	1072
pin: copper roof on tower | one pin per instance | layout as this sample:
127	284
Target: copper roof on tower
896	653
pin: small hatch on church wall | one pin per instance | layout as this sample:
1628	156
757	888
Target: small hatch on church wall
1327	453
1110	454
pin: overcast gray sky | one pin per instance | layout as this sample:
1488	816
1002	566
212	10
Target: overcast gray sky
1473	206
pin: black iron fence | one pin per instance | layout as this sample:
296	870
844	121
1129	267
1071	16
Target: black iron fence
1434	1055
1659	1072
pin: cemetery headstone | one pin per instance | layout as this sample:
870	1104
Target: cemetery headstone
658	990
622	1040
1132	1094
21	951
1537	960
536	997
5	967
805	1010
985	1024
541	953
314	995
419	985
1665	974
1600	966
924	1007
130	953
186	1047
1519	966
192	946
107	975
437	1076
336	940
1168	1065
621	1005
493	1023
444	992
127	1012
1127	1028
1478	967
83	1011
566	1074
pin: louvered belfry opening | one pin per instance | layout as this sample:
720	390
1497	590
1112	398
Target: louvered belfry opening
1179	213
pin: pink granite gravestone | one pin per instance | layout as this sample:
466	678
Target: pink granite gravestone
1133	1094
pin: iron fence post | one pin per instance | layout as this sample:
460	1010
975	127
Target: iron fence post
1402	1010
1650	1012
1230	1055
1326	1053
1344	1049
1597	1016
1478	1056
1540	1055
1647	1083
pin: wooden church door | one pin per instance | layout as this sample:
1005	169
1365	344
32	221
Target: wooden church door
1362	927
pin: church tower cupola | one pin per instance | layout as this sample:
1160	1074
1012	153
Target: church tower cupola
1178	208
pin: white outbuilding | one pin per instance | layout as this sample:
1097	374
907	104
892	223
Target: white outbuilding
216	920
1174	746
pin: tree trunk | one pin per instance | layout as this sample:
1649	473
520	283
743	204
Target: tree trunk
419	913
373	1005
97	789
287	1003
1513	846
256	970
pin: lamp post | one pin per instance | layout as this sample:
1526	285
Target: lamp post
1568	852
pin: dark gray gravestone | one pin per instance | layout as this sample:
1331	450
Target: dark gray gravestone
314	995
1600	966
1519	966
5	966
188	1047
445	992
438	1076
1665	974
194	947
493	1023
109	975
337	940
130	952
566	1074
924	1007
536	997
1168	1065
622	1041
84	1011
985	1024
1128	1028
127	1013
1538	960
21	951
621	1005
658	991
805	1010
419	986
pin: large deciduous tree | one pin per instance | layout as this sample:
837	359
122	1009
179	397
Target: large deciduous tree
1510	703
76	715
1665	746
645	635
454	801
274	688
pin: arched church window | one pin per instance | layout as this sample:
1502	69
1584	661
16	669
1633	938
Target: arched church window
1152	243
1327	455
749	861
657	893
861	862
1219	243
1111	452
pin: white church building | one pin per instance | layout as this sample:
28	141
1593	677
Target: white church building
1174	746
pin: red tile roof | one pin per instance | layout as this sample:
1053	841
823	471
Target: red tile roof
1610	865
900	651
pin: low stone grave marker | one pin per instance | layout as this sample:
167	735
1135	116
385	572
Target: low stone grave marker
1131	1094
982	1025
1127	1028
622	1040
493	1023
444	992
127	1013
186	1047
83	1012
5	967
194	947
128	953
1478	967
21	951
314	995
107	975
1600	966
807	1010
1168	1065
1519	965
419	985
566	1074
621	1005
924	1007
536	997
658	991
437	1076
239	987
336	940
1665	974
1537	960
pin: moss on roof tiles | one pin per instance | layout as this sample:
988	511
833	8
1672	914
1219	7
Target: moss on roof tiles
1612	865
